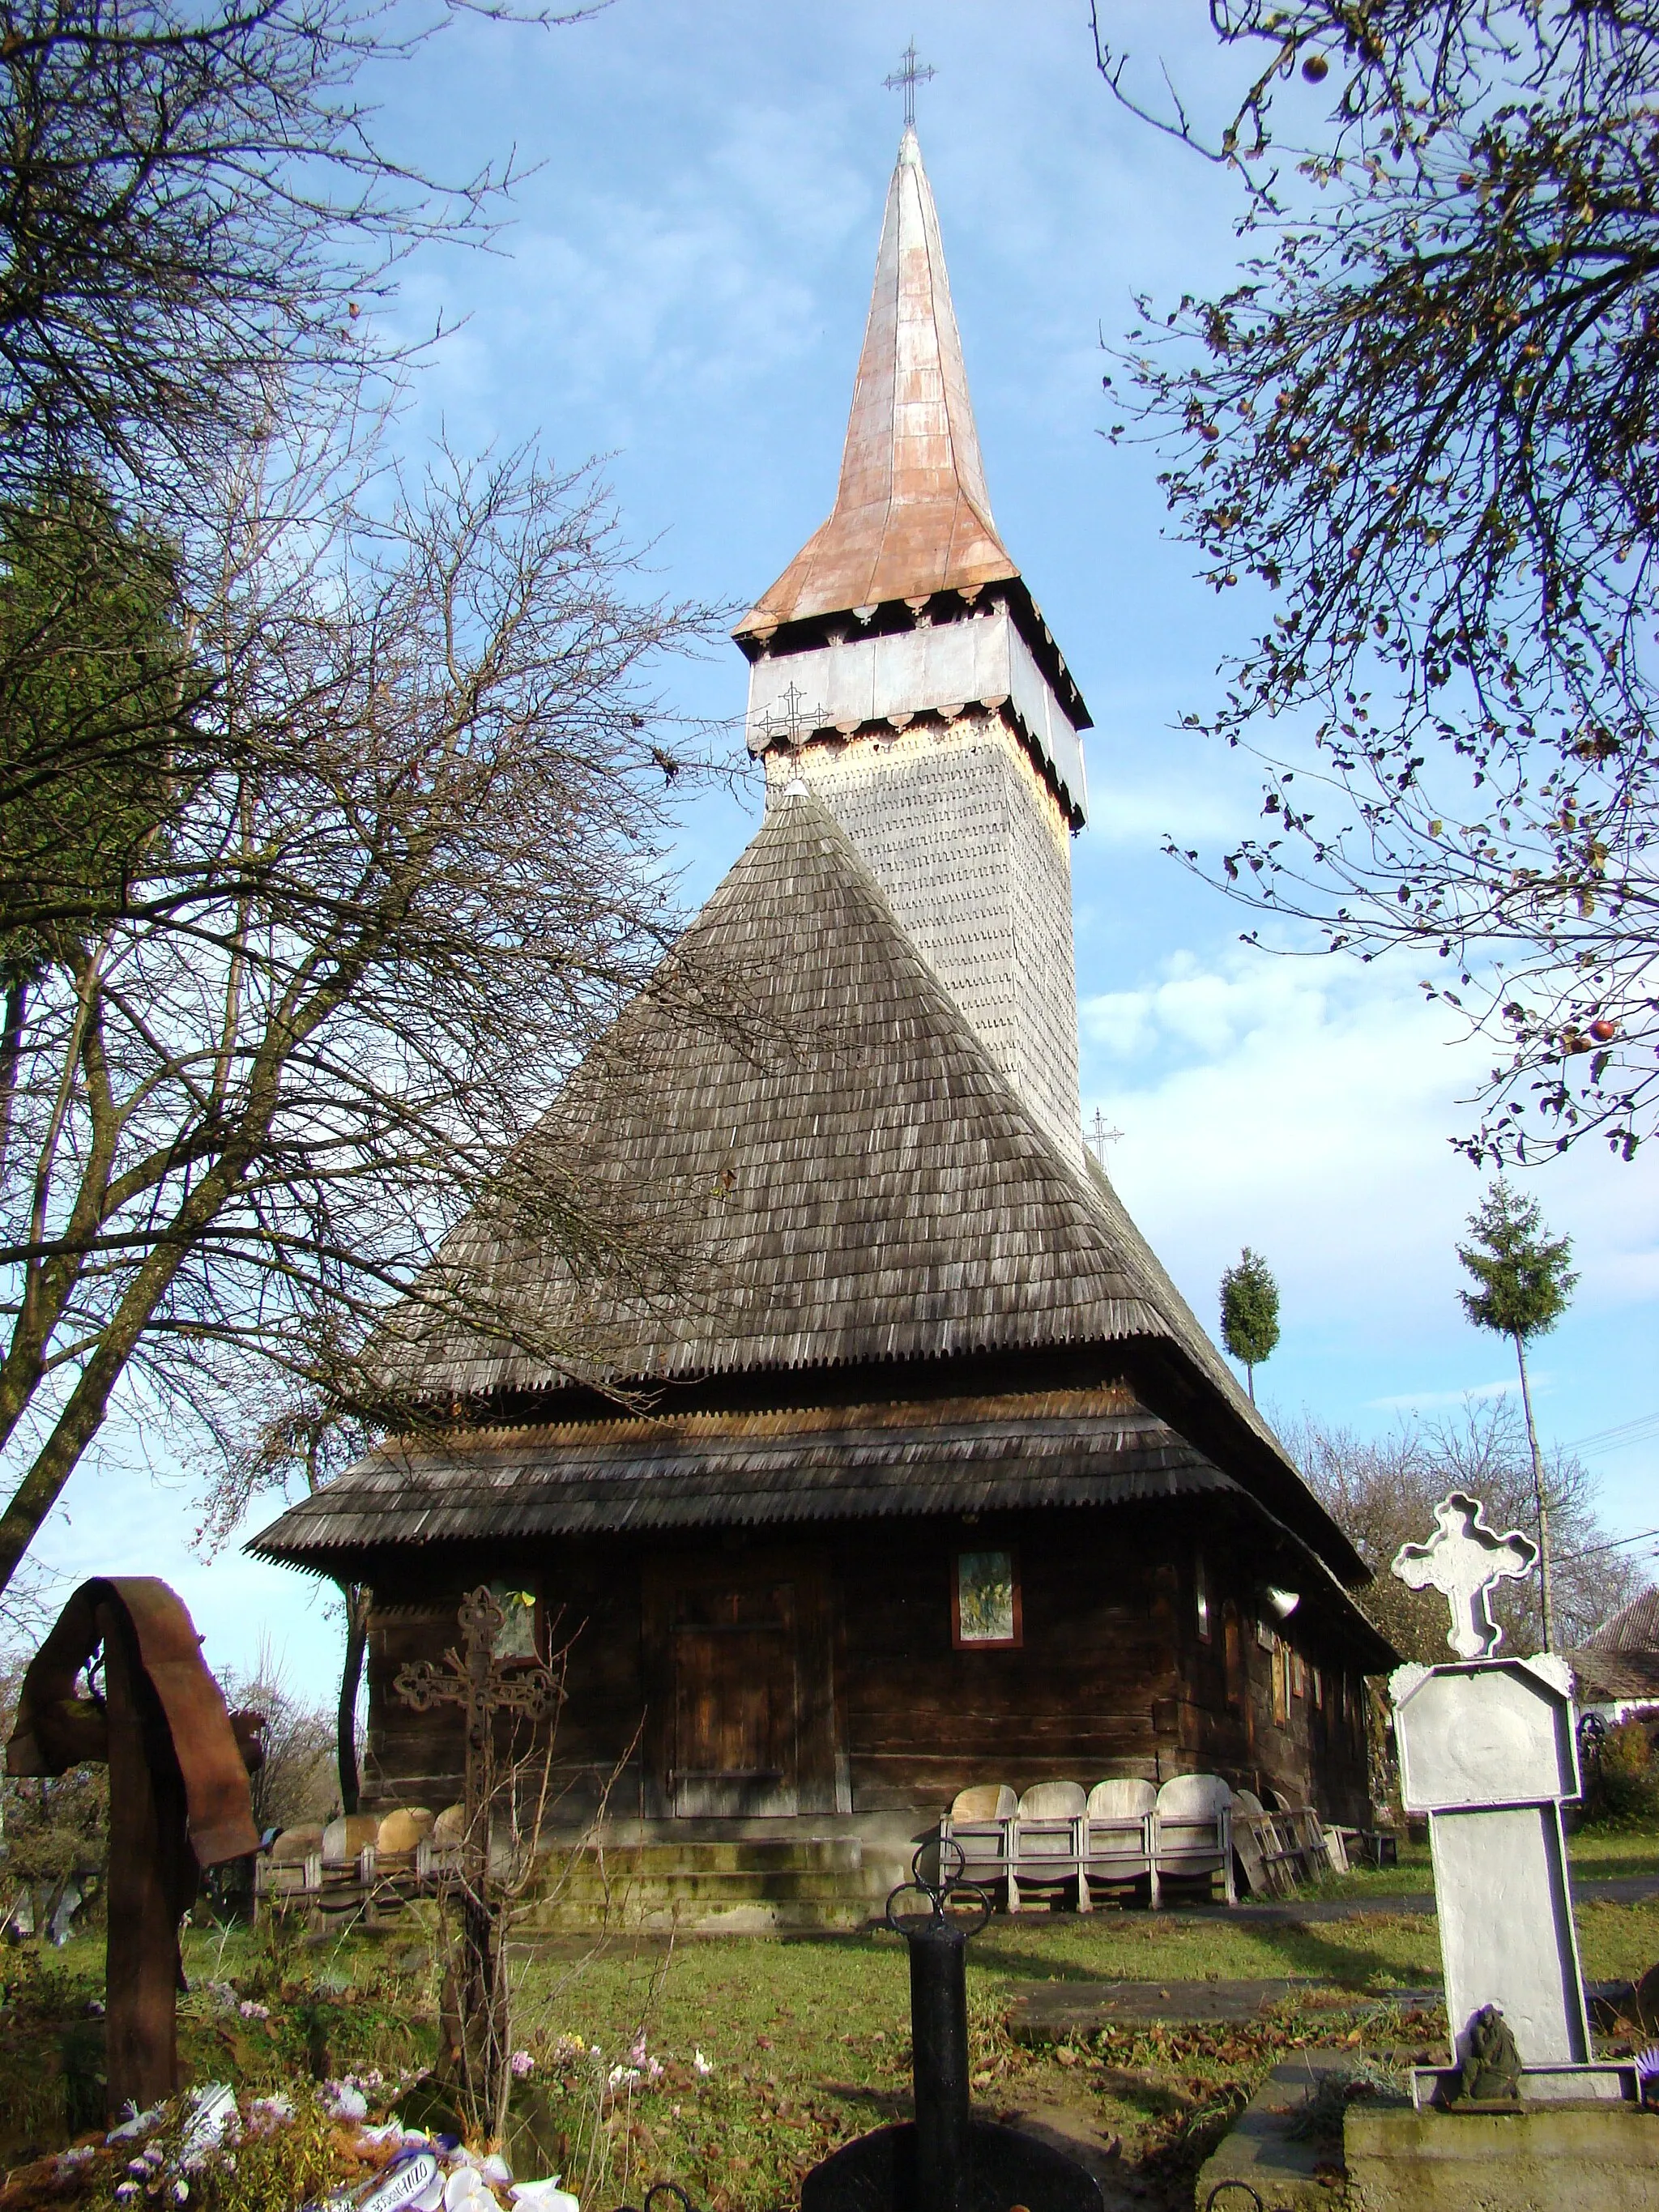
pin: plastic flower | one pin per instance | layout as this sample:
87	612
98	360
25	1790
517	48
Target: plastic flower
345	2100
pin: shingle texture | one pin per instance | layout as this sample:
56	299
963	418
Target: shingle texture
970	845
858	1184
1060	1448
1636	1629
856	1175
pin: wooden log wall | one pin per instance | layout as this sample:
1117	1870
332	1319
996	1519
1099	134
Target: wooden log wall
1119	1672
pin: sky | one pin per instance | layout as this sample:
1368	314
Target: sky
680	291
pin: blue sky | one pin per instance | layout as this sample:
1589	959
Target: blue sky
683	290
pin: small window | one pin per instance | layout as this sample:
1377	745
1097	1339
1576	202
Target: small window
1298	1675
516	1637
1233	1657
986	1608
1201	1597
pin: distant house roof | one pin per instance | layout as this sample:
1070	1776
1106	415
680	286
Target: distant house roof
1634	1630
863	1187
1620	1665
1613	1678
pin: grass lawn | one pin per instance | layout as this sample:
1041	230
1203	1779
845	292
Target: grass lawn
733	2065
1596	1855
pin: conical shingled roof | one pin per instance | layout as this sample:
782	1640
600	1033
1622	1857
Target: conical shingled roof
864	1187
912	514
862	1179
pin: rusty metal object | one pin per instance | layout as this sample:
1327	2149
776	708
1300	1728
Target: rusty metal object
56	1730
178	1796
912	514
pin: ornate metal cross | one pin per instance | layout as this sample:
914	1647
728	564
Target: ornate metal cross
481	1685
907	79
795	723
1462	1559
1099	1136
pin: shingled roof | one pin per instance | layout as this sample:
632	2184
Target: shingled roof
863	1187
749	1469
860	1178
1635	1629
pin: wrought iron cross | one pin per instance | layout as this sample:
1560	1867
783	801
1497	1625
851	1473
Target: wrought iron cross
478	1682
907	79
1099	1136
794	726
797	720
1462	1559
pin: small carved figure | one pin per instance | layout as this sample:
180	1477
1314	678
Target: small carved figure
1491	2071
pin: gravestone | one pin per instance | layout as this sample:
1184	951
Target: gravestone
1488	1750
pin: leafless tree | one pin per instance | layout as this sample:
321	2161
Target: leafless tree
306	1443
251	1106
1384	1492
196	211
293	1783
194	204
1417	435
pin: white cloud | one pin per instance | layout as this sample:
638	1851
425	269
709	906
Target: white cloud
1305	1108
1421	1400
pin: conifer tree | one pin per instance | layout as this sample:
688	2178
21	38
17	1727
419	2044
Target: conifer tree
1250	1313
1522	1286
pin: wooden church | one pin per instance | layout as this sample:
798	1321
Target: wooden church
945	1484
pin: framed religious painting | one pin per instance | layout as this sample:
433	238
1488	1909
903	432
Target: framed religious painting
985	1602
517	1638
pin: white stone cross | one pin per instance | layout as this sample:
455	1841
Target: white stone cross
1462	1559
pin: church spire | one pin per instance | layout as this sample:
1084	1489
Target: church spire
912	514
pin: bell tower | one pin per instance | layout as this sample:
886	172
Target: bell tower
900	667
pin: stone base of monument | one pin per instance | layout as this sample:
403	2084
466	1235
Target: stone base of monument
1551	2158
1271	2154
1595	2082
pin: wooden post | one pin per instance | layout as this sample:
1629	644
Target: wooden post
179	1797
152	1880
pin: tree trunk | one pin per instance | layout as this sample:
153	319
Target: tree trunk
1249	1378
1538	1499
11	1053
359	1598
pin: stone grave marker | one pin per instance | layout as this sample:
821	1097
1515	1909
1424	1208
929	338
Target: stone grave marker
1489	1752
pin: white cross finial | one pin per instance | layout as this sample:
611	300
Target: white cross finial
906	80
1462	1559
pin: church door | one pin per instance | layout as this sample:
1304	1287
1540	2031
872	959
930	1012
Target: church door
735	1669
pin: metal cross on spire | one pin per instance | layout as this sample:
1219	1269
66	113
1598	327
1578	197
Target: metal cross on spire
1462	1559
907	79
792	726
